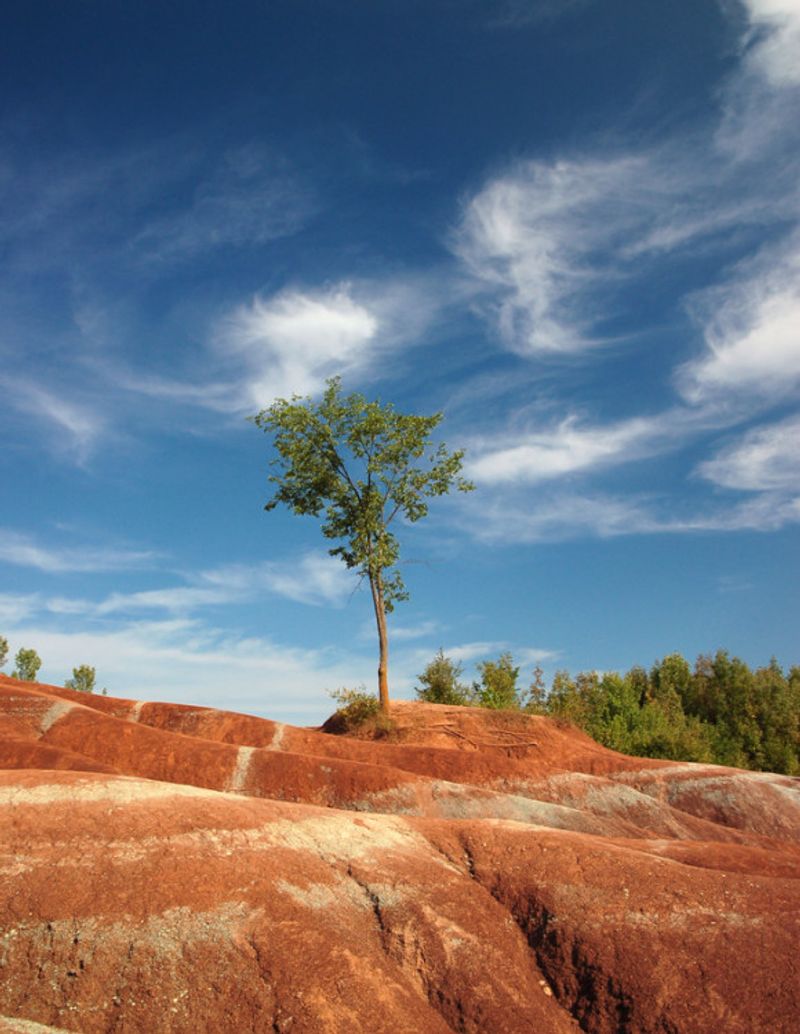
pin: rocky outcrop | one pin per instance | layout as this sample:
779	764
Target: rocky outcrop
173	869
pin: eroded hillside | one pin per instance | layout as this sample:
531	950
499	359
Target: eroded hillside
177	869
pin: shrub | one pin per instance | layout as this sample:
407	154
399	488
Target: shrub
356	706
498	686
440	682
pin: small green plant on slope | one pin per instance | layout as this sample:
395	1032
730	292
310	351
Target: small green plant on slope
358	710
83	679
356	706
439	682
3	650
27	663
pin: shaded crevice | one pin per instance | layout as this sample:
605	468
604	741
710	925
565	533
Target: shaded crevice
400	950
580	986
375	904
265	976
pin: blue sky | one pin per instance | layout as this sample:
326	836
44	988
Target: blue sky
573	227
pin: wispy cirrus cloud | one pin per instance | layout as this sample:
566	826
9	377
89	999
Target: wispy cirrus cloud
751	328
78	426
557	247
554	247
24	551
569	448
543	236
313	578
565	516
249	197
16	607
765	459
164	202
487	649
179	659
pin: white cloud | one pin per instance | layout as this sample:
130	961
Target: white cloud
78	425
15	608
759	103
751	330
179	599
552	245
488	650
313	578
557	518
568	448
767	511
247	199
572	515
404	633
23	551
186	662
542	236
775	42
290	343
766	459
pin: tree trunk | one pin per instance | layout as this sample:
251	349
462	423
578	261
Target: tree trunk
383	640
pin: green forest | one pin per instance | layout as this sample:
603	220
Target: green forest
719	710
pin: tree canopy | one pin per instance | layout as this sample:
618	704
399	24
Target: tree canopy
360	465
83	679
27	663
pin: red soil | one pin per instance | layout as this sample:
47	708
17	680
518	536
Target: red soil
177	869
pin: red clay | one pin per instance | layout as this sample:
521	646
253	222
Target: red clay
177	869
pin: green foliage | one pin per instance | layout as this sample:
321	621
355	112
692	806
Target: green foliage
360	466
356	706
27	663
536	700
497	688
440	682
720	712
3	650
82	680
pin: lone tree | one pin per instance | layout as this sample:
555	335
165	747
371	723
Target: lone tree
362	465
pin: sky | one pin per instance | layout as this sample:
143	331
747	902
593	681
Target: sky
571	227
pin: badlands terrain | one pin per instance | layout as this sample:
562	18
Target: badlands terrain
178	869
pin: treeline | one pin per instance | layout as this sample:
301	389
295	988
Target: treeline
718	711
27	663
